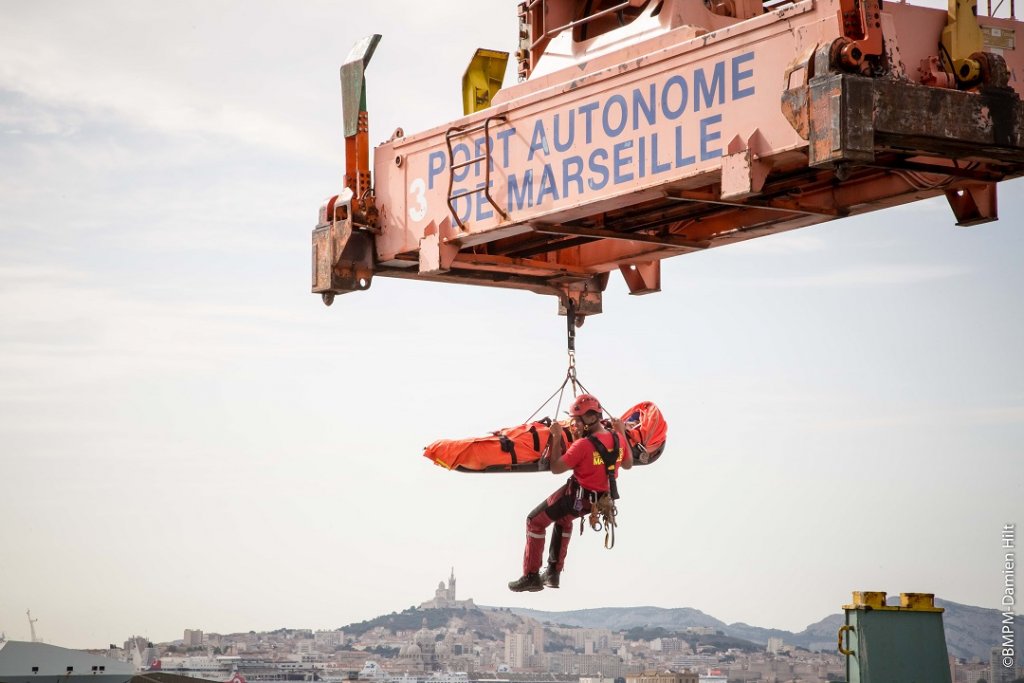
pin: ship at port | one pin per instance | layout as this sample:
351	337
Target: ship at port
25	662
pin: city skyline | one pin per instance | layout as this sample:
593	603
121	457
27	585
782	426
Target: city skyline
202	641
446	634
189	438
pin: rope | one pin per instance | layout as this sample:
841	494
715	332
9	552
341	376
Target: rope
558	393
609	528
570	374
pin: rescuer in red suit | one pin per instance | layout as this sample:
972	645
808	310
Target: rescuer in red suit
590	478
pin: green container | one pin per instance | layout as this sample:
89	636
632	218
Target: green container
886	644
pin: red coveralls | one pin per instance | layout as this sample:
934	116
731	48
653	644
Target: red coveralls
588	472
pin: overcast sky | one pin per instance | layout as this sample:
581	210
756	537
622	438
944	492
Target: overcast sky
190	439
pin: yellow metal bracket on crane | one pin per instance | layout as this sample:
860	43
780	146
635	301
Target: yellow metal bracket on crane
961	39
483	79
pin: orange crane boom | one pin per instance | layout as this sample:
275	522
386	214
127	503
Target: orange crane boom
647	129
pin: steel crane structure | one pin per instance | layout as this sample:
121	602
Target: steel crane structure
646	129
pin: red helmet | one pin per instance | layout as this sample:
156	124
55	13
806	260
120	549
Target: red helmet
584	403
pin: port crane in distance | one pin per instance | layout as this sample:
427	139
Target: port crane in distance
645	129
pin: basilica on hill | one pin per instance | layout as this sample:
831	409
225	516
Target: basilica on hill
444	597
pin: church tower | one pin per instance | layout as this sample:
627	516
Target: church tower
451	586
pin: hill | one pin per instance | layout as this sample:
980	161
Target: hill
487	625
970	631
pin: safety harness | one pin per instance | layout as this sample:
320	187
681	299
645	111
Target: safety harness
602	505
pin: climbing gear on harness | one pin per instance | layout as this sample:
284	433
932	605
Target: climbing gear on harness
603	510
602	515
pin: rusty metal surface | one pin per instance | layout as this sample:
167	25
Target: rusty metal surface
853	118
343	255
974	204
840	110
986	125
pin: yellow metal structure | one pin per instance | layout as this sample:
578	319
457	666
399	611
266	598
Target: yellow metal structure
909	602
961	39
919	602
483	79
846	628
867	599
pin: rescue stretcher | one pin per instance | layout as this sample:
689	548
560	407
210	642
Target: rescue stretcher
525	447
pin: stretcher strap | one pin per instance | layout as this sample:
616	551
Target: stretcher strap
508	446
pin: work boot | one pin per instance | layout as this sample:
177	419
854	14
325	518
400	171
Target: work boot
526	582
549	577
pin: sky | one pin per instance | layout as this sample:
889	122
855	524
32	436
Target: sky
190	439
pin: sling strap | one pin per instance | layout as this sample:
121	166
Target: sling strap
609	460
508	446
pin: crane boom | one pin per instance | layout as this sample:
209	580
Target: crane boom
645	130
32	626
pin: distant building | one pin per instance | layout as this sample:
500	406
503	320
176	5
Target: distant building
668	646
969	672
601	665
538	639
140	652
694	661
444	596
774	645
193	638
518	650
714	676
420	655
997	672
599	639
663	677
328	639
700	630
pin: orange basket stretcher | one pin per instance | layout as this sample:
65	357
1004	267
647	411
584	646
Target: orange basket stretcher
524	448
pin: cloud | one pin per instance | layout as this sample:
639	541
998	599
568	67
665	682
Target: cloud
866	276
799	242
175	90
78	186
927	419
58	324
16	119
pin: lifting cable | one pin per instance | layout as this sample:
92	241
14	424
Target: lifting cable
570	375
